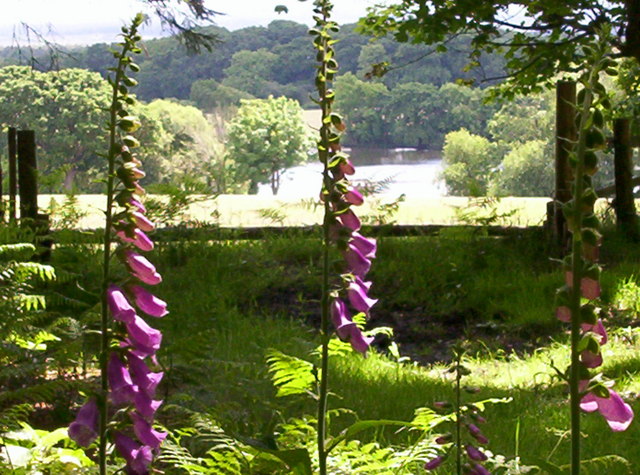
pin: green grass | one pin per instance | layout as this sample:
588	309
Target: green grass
231	302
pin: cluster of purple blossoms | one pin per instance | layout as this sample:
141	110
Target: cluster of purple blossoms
132	383
596	397
474	454
357	250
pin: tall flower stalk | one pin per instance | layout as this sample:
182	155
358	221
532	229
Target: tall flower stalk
582	272
124	408
340	297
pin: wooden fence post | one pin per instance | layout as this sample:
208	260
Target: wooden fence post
27	175
13	180
624	204
566	135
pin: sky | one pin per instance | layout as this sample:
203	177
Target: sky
71	22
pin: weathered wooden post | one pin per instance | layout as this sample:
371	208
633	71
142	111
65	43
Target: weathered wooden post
27	175
566	136
624	204
13	174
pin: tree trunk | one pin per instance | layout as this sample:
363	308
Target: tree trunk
624	203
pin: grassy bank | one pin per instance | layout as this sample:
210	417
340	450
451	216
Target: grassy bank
231	302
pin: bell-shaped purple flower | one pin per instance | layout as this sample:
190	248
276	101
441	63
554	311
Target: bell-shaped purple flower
358	297
149	303
140	240
434	463
479	470
123	390
357	263
146	405
142	222
146	380
142	268
341	319
84	429
119	306
475	454
366	246
346	329
349	220
591	360
145	432
616	412
135	203
353	196
138	457
142	336
475	431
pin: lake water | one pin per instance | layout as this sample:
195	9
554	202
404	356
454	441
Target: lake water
409	171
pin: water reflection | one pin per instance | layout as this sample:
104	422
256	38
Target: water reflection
409	171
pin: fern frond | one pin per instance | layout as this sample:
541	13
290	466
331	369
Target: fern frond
19	251
289	374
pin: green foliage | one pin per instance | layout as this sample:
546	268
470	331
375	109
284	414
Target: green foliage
208	95
291	375
470	161
265	137
546	39
64	108
28	450
527	170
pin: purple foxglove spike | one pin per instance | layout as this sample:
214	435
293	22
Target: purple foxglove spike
149	303
359	342
143	336
140	240
145	432
359	299
349	220
475	431
84	429
141	376
138	205
143	222
475	454
366	246
121	386
353	196
434	463
563	313
616	412
119	306
138	457
600	330
591	360
146	405
356	262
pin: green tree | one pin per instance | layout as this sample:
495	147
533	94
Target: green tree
363	104
266	137
65	109
194	152
546	39
527	170
209	95
469	161
252	72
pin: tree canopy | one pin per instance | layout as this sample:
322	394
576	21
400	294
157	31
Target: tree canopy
539	37
265	137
